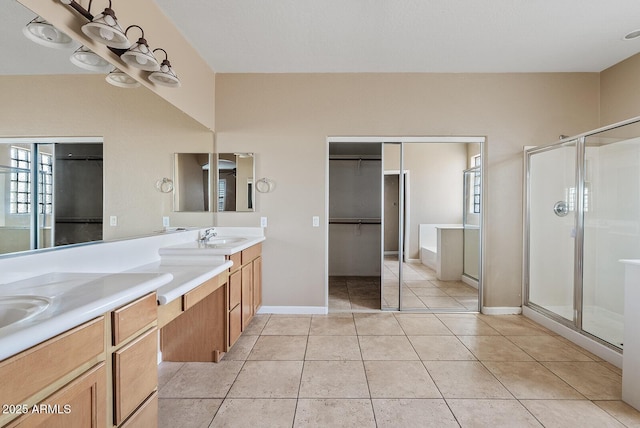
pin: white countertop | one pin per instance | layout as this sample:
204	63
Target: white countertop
211	248
185	277
75	298
127	270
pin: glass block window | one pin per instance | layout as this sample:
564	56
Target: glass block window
476	185
222	191
20	184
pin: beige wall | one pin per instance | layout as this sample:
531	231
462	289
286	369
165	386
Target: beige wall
196	95
620	91
286	118
141	132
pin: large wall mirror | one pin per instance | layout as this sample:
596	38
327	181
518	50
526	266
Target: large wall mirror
45	96
235	182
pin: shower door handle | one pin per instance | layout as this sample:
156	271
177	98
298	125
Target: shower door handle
561	208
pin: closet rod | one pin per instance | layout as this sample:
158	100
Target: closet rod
355	221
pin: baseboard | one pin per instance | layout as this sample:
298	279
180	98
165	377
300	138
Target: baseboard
416	261
501	310
579	339
294	310
469	281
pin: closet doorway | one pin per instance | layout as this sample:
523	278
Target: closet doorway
404	245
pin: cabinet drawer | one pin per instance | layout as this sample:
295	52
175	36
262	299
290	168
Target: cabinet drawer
146	415
200	292
135	374
133	317
40	366
235	324
237	261
235	289
251	253
80	404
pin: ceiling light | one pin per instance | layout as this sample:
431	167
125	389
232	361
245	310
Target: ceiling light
121	79
105	29
139	55
45	34
632	35
165	76
84	58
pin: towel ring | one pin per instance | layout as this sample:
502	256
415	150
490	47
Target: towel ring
164	185
264	185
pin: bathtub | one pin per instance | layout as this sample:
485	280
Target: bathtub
441	249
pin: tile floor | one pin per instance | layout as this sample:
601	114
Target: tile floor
422	291
396	370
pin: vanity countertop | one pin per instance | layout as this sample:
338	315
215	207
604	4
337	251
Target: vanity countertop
218	246
67	300
185	277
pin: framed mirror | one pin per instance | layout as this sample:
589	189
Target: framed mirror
192	182
235	182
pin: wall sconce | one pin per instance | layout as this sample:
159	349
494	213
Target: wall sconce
104	28
84	58
45	34
121	79
165	76
139	55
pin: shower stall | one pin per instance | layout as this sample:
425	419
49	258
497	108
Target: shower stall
582	216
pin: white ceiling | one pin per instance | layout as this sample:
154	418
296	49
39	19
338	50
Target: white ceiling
260	36
407	35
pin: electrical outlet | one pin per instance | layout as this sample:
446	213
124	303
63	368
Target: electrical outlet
113	220
263	222
316	221
165	222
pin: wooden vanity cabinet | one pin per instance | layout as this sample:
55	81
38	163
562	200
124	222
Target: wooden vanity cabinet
245	276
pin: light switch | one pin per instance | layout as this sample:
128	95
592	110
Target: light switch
316	221
263	222
113	220
166	222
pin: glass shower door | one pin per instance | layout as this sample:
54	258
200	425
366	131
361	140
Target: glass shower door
551	231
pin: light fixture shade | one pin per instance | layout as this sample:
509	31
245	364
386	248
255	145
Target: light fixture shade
121	79
165	76
105	29
86	59
140	56
45	34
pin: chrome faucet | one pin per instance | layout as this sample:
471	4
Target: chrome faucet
208	234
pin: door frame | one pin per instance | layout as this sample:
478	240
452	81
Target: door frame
411	139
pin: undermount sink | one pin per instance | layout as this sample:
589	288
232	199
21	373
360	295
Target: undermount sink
14	309
223	241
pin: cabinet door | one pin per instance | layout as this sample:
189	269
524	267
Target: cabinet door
235	324
146	415
80	404
135	370
235	289
247	294
257	284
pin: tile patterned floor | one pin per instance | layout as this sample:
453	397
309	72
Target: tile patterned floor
396	370
422	291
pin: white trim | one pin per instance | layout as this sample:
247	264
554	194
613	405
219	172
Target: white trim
397	139
581	340
49	140
469	281
414	261
501	310
294	310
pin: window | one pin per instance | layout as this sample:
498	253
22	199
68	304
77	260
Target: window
222	191
476	184
20	186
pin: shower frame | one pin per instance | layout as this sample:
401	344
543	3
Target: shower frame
579	221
